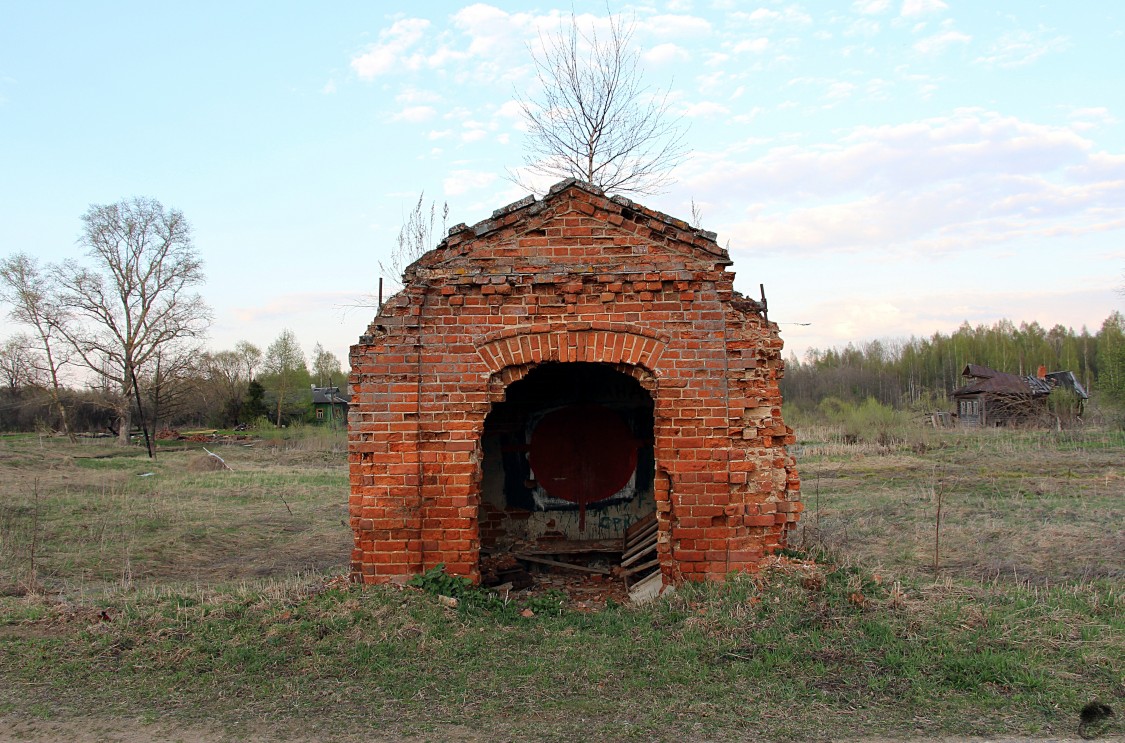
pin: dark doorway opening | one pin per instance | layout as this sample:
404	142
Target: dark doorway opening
568	457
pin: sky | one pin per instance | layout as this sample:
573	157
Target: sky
886	168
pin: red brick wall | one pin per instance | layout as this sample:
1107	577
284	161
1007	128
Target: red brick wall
574	277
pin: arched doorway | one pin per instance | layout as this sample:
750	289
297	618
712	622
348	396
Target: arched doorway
567	458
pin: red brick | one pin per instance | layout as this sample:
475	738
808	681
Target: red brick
553	286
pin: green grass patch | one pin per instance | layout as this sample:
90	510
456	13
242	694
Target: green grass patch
202	597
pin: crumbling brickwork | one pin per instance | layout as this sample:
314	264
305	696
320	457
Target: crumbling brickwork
576	282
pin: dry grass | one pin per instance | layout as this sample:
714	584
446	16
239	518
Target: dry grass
1020	506
93	517
198	595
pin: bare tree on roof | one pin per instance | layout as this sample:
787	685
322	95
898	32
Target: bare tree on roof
594	118
137	297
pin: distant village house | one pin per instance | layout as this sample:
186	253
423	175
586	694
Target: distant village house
996	398
329	404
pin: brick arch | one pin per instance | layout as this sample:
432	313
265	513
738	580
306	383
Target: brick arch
607	343
499	381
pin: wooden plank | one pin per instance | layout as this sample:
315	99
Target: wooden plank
639	554
639	568
559	563
640	525
638	547
639	533
641	538
576	546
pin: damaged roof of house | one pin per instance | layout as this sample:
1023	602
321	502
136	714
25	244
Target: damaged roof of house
986	379
329	395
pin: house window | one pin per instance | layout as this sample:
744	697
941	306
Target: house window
337	413
320	414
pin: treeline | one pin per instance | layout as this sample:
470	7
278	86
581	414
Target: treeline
209	389
921	372
126	320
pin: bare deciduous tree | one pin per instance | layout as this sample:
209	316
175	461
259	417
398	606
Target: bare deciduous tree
35	302
594	118
137	297
168	380
250	357
18	366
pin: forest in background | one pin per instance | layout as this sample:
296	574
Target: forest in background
224	388
919	373
192	389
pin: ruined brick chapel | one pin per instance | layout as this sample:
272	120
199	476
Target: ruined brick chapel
573	381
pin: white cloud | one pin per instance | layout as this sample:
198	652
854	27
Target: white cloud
792	14
1091	118
939	42
754	46
704	109
838	91
410	95
1101	167
715	83
968	180
749	116
678	26
862	27
911	8
383	56
415	114
877	89
329	87
510	110
760	15
466	181
840	320
871	7
665	53
1020	48
489	28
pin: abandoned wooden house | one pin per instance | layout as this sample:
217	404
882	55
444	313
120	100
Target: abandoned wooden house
329	404
996	398
571	380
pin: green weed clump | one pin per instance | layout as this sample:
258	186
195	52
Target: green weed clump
839	422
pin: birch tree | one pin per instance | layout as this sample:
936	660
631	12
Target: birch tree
284	370
326	367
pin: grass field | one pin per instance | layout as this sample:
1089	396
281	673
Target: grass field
198	597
